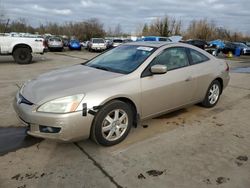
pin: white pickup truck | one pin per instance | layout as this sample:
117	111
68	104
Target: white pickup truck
21	48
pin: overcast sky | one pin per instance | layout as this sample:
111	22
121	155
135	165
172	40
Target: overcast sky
231	14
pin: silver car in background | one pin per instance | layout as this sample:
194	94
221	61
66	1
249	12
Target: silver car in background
97	44
55	44
104	97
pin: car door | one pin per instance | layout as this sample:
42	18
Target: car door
202	70
170	90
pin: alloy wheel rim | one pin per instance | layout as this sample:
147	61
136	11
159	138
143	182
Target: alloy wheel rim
115	125
214	93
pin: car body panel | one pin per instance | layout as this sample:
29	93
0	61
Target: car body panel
170	90
8	44
59	83
73	125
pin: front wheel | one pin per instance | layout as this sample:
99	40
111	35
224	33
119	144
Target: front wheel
22	55
112	123
213	94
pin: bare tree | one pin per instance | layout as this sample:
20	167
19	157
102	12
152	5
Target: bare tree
117	30
145	30
165	26
3	19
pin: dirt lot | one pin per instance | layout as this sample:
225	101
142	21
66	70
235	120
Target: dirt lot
193	147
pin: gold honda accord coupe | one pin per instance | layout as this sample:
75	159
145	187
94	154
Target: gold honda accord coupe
107	95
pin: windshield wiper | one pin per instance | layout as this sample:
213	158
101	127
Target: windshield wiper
101	68
108	69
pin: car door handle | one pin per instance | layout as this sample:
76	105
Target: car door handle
189	79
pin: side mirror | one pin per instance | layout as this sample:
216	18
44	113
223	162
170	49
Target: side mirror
158	69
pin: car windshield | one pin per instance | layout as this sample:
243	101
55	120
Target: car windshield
123	59
98	41
149	39
242	45
164	39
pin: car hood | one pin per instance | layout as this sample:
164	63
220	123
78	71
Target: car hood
77	79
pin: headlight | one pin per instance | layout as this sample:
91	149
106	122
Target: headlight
62	105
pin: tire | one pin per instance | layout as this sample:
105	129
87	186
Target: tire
117	126
213	94
22	55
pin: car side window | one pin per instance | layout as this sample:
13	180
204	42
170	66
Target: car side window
173	58
197	57
162	39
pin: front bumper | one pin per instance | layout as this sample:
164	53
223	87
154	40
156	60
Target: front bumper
73	126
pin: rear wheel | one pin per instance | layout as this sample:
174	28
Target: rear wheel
112	123
22	55
213	94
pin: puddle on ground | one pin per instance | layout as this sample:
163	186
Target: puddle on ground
12	139
241	70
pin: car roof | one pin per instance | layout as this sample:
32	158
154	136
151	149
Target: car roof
154	44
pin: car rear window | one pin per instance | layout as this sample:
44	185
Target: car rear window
118	41
197	57
55	39
164	39
98	41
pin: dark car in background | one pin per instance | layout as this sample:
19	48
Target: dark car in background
117	42
75	45
198	43
109	44
127	40
244	49
229	47
65	42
